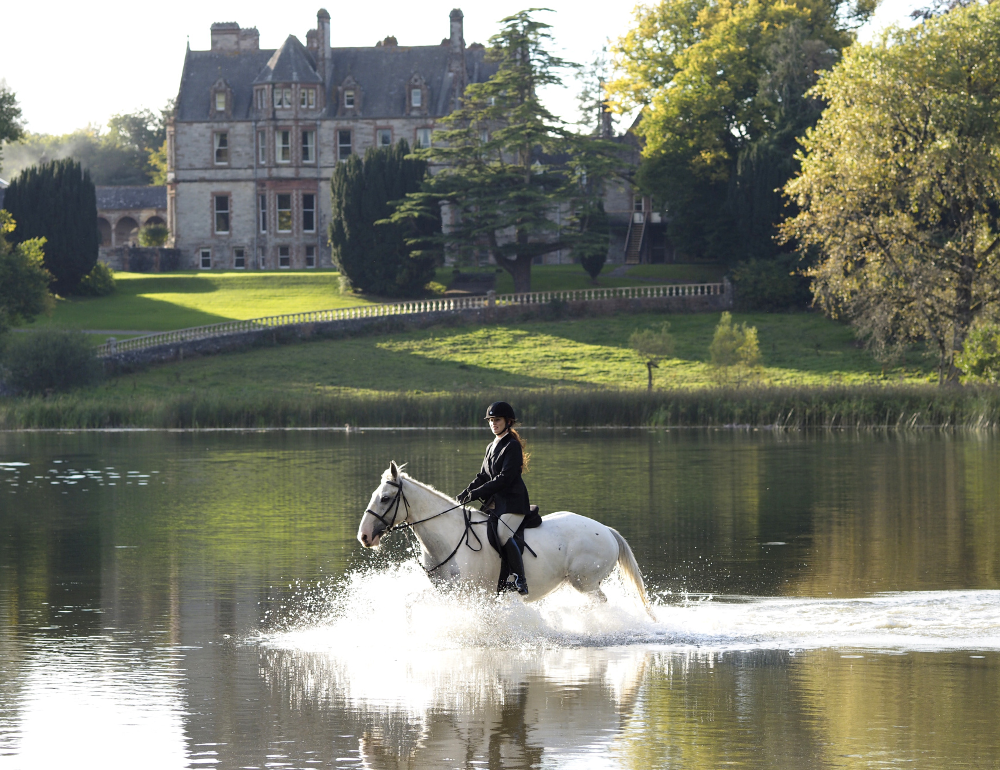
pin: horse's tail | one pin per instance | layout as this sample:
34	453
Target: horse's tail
630	569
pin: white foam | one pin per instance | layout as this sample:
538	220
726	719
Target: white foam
369	610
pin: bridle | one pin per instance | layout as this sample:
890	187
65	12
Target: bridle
400	497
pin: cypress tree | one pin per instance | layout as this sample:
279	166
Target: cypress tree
57	201
373	254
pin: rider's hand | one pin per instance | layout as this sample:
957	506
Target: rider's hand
464	496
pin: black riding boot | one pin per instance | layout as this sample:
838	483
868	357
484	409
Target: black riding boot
516	565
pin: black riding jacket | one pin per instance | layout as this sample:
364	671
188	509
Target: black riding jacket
500	478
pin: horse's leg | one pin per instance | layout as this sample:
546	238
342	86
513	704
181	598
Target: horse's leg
598	596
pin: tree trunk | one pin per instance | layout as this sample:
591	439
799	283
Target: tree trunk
520	270
650	366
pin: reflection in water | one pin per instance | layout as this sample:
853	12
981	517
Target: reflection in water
199	600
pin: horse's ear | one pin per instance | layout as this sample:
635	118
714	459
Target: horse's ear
394	469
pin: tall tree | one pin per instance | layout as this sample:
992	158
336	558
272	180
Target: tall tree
514	178
899	192
722	87
372	253
57	201
24	281
10	118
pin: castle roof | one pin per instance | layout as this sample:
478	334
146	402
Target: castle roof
126	197
290	64
382	73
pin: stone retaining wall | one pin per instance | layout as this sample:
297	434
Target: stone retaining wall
132	360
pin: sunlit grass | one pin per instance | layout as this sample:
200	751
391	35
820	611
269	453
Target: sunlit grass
161	302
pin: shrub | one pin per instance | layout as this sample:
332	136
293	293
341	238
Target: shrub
735	350
153	236
49	360
979	359
771	285
99	282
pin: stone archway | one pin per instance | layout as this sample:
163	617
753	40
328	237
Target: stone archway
154	221
104	230
126	232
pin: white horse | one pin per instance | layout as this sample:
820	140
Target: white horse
454	548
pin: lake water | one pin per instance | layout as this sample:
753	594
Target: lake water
185	600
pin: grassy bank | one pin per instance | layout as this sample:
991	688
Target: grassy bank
865	406
572	372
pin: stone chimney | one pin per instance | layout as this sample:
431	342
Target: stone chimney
323	43
456	39
249	39
226	36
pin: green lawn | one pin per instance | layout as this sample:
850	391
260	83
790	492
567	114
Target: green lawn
797	349
147	302
160	302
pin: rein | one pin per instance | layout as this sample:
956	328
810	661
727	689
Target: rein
400	497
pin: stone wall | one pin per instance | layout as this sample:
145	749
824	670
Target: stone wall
135	259
129	361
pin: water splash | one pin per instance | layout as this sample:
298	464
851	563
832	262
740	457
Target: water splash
398	608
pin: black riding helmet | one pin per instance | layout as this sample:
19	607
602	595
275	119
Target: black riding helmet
500	409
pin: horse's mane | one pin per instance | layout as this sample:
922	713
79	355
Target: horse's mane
387	475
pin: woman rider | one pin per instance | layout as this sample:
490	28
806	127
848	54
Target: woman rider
499	485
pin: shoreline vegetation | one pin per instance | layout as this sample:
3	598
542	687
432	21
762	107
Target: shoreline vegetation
787	408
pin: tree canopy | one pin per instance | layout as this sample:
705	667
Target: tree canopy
130	150
57	202
515	179
899	193
10	118
373	254
722	85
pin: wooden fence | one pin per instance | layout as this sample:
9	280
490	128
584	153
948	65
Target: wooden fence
451	304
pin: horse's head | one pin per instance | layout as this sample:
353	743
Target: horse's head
386	509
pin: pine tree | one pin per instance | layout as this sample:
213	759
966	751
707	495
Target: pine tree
373	254
507	165
57	201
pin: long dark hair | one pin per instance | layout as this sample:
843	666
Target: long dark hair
525	454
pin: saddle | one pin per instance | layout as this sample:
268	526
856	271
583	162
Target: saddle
531	520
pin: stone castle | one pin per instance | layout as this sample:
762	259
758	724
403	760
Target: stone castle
257	133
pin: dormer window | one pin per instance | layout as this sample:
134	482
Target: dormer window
349	98
221	106
282	98
416	97
261	98
307	98
220	101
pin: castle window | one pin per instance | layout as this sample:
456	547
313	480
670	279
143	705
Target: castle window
310	256
263	258
262	208
284	258
284	212
239	259
283	150
484	135
221	214
383	137
307	98
261	98
308	146
343	144
206	259
416	97
262	147
309	213
349	98
282	98
221	141
220	101
423	137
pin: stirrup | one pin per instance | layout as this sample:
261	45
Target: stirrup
520	584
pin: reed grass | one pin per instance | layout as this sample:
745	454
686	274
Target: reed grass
862	407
